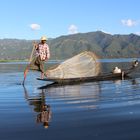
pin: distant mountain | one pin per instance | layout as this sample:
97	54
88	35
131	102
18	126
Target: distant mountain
104	45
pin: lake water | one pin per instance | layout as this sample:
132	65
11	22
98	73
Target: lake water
104	110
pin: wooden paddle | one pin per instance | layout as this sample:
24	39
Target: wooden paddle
32	53
31	57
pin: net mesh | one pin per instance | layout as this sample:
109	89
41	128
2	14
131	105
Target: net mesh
85	64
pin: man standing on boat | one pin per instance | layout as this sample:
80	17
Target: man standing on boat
42	55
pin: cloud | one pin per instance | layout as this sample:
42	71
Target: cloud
35	26
137	33
129	22
73	29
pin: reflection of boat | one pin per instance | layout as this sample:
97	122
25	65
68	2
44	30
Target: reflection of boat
100	77
79	96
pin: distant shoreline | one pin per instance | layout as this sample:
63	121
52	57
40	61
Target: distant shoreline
27	61
59	61
3	61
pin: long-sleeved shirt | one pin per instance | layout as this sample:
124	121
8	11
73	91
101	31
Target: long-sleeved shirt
43	51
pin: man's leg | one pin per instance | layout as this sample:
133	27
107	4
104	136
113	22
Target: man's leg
42	69
25	73
29	66
43	74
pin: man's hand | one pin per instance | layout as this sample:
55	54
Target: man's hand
35	44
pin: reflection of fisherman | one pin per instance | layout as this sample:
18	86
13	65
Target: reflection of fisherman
45	116
40	107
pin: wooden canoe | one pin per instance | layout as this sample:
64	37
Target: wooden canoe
100	77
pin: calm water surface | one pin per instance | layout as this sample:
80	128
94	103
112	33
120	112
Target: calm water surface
108	110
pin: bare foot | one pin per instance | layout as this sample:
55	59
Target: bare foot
46	74
42	75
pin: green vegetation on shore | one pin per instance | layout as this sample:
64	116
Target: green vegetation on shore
3	61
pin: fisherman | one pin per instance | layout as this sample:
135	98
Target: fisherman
42	55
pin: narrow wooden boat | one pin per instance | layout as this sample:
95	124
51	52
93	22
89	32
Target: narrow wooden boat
100	77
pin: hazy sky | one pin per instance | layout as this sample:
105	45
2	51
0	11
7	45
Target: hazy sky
30	19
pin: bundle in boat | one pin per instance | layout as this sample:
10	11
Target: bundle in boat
85	64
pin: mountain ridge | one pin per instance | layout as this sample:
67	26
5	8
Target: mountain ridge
103	44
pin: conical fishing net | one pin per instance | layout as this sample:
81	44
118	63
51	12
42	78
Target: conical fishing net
84	64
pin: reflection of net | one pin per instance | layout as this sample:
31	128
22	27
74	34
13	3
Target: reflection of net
82	65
